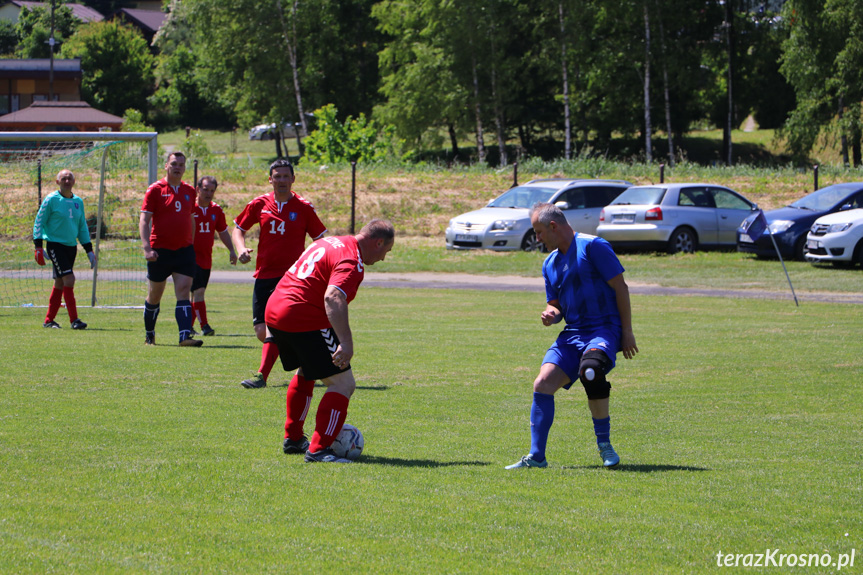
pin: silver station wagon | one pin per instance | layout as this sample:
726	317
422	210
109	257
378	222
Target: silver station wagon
504	224
674	217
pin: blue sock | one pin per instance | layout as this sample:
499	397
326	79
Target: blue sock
602	429
541	418
151	312
183	313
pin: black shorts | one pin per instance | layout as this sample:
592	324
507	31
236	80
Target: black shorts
311	350
181	261
62	258
202	278
260	296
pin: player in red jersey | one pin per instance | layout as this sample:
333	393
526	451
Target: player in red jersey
209	220
285	219
167	230
308	317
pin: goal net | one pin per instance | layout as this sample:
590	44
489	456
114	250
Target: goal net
112	171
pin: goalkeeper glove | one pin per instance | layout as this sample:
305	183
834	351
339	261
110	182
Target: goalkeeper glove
40	256
92	257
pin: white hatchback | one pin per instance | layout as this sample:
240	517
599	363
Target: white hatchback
504	224
836	238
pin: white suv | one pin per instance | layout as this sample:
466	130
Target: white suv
836	238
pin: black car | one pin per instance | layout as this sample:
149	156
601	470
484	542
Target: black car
789	225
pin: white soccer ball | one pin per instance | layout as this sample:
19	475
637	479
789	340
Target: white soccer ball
349	442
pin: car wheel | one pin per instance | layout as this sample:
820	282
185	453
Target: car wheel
683	240
529	243
800	249
858	254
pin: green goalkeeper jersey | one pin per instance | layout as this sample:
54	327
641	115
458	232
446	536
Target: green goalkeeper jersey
61	220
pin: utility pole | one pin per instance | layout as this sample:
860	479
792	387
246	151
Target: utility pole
51	66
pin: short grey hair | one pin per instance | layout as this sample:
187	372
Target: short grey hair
378	229
546	213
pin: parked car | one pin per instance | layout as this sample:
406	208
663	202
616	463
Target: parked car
836	238
267	131
504	224
674	217
789	225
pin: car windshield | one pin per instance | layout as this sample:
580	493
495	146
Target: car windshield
825	198
639	197
522	197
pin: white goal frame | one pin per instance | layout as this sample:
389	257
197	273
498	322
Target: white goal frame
151	138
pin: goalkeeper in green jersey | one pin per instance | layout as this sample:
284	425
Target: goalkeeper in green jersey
61	224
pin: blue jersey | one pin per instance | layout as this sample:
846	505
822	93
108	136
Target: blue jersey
579	278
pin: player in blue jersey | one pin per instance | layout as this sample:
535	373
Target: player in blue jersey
62	224
585	289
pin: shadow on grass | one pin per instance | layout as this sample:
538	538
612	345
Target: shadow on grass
640	468
362	387
375	460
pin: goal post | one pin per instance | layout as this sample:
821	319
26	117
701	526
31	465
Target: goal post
112	171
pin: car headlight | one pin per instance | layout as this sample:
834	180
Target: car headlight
836	228
505	225
779	226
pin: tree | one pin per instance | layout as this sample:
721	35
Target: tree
34	29
821	52
180	98
117	65
8	38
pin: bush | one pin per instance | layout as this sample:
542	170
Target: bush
355	140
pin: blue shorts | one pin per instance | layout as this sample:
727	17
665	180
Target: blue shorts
567	350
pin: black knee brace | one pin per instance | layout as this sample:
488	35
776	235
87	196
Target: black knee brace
596	387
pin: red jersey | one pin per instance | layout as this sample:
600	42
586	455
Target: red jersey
208	222
297	304
284	226
172	214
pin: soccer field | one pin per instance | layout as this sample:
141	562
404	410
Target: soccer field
738	426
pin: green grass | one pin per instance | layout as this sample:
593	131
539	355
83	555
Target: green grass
118	458
712	269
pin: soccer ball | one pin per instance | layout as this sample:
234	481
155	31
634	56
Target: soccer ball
349	442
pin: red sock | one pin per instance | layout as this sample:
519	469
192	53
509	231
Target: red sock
328	422
71	307
269	355
53	304
300	392
200	308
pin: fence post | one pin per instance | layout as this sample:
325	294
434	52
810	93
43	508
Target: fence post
39	182
195	182
815	177
353	194
514	174
661	173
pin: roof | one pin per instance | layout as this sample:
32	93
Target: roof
148	20
50	113
39	67
81	12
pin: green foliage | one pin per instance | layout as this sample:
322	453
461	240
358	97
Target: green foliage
133	121
34	30
117	64
195	147
354	140
8	38
821	59
181	98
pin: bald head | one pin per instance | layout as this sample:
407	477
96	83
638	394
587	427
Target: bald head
66	181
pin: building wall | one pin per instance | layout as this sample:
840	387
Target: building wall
9	12
17	94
